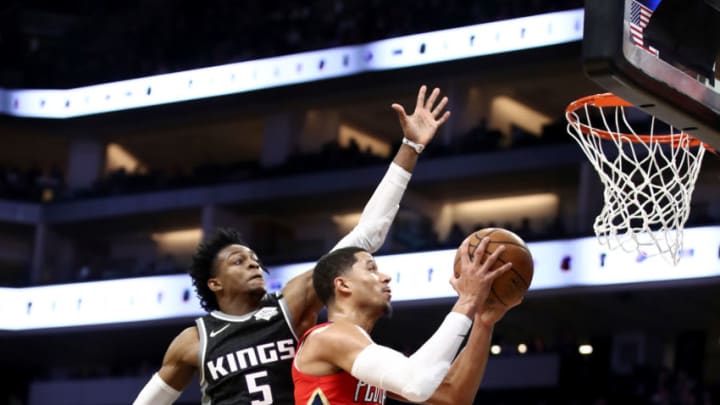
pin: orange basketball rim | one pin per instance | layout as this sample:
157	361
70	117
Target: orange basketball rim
611	100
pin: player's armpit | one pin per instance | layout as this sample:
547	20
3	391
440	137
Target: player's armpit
302	302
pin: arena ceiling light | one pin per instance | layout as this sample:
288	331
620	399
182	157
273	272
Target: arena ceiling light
416	276
395	53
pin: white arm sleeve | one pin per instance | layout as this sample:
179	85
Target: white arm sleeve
418	376
379	212
157	392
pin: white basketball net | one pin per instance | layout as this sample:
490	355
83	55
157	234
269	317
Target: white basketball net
648	184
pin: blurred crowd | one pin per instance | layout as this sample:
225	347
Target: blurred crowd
38	185
413	234
76	43
33	184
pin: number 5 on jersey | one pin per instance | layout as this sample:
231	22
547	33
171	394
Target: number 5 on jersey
264	389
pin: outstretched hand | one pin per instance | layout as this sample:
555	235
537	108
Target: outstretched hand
421	126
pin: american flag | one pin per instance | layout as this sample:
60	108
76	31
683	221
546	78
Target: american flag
639	18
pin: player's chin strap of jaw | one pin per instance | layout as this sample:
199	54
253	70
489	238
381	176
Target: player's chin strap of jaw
416	377
379	212
157	392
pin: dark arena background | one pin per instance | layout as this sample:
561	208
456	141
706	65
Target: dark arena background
126	136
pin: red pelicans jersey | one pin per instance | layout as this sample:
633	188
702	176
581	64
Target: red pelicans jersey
334	389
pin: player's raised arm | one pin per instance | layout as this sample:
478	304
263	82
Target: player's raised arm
418	130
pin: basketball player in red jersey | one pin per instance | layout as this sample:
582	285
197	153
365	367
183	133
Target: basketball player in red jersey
337	363
244	347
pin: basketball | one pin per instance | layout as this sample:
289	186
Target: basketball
510	288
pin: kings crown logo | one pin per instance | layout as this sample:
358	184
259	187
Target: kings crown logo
266	313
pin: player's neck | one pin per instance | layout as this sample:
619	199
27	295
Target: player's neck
240	304
360	317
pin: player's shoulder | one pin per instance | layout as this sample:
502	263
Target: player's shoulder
185	347
336	332
188	336
190	332
187	339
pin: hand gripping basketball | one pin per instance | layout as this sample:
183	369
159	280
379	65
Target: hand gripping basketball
509	288
476	273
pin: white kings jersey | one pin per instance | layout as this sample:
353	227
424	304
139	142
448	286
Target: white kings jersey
247	359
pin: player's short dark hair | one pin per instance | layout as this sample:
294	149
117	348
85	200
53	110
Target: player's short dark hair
203	265
331	266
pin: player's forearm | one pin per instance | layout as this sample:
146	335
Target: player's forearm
406	157
463	380
379	212
466	305
157	392
384	201
418	376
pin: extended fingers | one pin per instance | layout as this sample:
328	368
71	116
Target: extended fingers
399	109
443	118
494	256
471	249
493	275
438	109
465	252
421	97
433	97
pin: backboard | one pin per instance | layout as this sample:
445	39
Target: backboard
661	56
